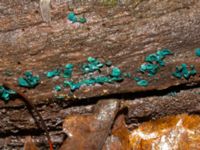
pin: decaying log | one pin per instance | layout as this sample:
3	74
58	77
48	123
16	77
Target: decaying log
123	33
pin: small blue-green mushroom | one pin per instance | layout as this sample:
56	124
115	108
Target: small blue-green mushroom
116	72
6	94
72	17
53	73
28	80
57	88
197	52
82	20
143	83
22	82
73	86
152	69
91	59
152	57
164	52
68	70
183	71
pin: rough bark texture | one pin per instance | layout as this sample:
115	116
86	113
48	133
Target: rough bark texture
124	34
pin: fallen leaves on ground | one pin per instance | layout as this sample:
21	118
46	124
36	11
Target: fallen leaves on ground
181	132
89	132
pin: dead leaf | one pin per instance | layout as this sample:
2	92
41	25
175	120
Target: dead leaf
90	131
119	140
29	144
181	132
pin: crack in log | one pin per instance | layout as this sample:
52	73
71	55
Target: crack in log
129	95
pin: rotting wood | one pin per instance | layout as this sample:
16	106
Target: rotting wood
121	34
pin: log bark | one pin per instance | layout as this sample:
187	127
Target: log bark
124	34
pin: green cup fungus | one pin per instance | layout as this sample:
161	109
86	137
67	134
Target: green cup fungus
141	82
68	70
57	88
92	65
73	18
163	53
183	71
28	80
82	20
154	62
151	69
53	73
91	81
6	94
116	72
115	76
152	58
73	86
197	52
158	56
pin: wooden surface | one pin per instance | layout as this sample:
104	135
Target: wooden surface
123	34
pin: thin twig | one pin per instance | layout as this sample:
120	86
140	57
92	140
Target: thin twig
30	105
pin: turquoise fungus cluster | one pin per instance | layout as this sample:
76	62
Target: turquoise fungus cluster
184	71
66	72
154	61
91	65
53	73
28	80
6	94
91	81
152	64
141	82
58	88
197	52
74	18
96	71
91	71
94	65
